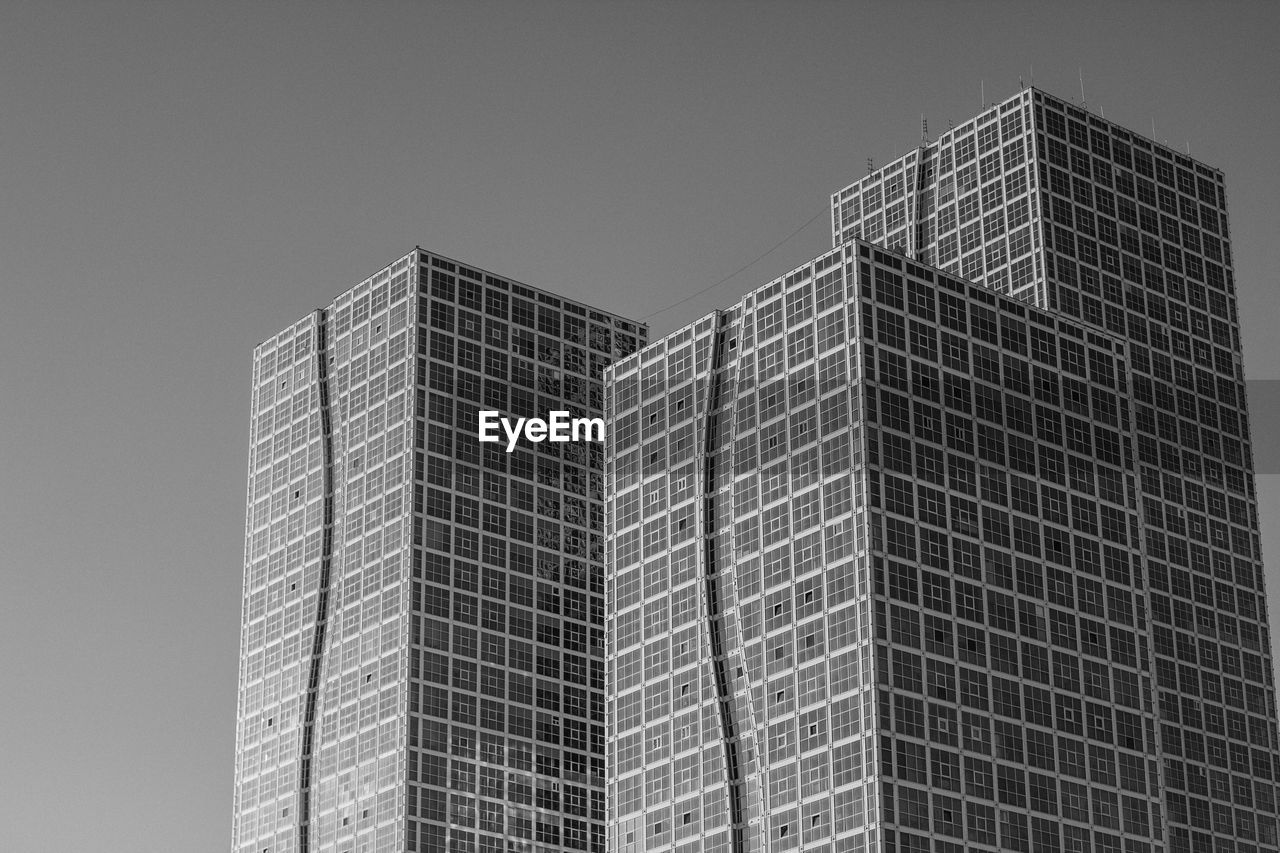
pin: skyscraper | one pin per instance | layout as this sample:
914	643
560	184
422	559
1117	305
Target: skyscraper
422	633
948	540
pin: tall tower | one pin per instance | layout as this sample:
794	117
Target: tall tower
949	538
422	644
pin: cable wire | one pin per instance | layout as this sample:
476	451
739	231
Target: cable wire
741	269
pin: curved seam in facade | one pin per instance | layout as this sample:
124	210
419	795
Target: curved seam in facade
322	600
723	695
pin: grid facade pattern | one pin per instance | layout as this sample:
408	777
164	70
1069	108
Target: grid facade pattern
1130	237
884	577
1012	641
284	539
742	698
967	203
422	644
355	800
665	731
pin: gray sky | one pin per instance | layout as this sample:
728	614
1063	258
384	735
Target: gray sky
179	181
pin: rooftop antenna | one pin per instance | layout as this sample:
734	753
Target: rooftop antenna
1153	127
1083	102
1188	147
924	130
1021	85
1101	111
982	84
1033	75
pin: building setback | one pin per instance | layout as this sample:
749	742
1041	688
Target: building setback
948	540
422	643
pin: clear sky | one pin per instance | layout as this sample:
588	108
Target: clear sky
179	181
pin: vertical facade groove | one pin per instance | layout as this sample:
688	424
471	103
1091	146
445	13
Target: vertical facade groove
322	598
724	696
783	563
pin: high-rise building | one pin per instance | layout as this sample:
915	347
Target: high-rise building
422	651
947	540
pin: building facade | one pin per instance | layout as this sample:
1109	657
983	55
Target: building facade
948	540
422	634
